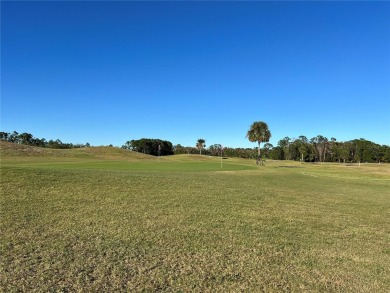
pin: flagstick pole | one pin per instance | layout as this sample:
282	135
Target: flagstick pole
221	157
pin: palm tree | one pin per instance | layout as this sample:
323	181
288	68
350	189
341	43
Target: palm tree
258	132
200	144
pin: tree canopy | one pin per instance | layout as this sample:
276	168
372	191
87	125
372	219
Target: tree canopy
28	139
150	146
321	149
258	132
200	144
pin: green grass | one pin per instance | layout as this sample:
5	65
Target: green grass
130	222
147	166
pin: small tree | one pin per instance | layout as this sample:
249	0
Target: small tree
215	149
200	144
258	132
25	138
4	135
302	143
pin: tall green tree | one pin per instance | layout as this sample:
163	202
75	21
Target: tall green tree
215	149
4	135
14	137
285	144
200	144
321	144
258	132
150	146
25	138
345	151
301	144
267	147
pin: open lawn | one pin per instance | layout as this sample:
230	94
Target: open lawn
106	219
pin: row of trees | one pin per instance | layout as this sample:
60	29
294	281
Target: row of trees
322	149
258	132
155	147
316	149
28	139
216	149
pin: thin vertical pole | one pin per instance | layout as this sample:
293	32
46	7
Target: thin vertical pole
221	156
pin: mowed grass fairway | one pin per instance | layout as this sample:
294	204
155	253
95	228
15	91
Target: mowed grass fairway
105	219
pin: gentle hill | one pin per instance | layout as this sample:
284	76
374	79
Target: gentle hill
111	158
190	157
17	151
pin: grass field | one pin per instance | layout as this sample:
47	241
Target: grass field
105	219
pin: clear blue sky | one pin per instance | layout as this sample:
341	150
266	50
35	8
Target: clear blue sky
108	72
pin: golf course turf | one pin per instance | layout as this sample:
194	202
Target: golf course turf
106	219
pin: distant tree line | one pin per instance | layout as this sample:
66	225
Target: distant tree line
28	139
322	149
179	150
316	149
150	146
216	149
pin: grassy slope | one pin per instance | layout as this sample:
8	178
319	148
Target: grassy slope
110	158
16	152
108	226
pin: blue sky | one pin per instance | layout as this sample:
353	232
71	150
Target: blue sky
108	72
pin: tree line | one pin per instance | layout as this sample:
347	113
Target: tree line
316	149
322	149
215	150
28	139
